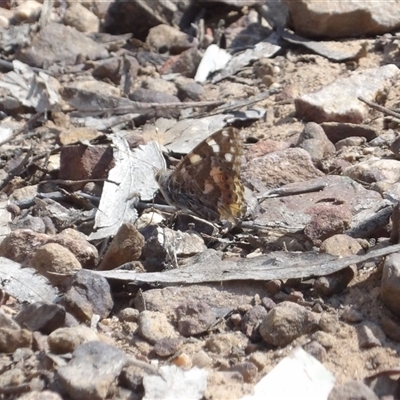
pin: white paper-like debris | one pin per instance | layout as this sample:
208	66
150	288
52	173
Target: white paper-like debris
25	284
131	179
31	89
8	127
297	376
266	48
175	384
214	59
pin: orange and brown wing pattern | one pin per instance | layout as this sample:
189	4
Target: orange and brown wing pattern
207	181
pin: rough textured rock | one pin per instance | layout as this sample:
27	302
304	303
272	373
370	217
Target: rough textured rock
81	18
390	285
336	131
138	17
53	259
224	343
12	339
352	390
327	220
251	320
286	322
58	43
88	294
79	162
339	100
370	335
165	38
41	317
154	326
92	370
126	246
21	244
375	171
194	318
314	140
279	168
66	340
306	18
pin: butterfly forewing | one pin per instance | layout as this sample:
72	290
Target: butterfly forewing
207	181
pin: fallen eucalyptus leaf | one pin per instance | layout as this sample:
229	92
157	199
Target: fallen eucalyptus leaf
132	179
25	284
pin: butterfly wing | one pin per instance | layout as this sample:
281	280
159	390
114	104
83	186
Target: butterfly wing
207	181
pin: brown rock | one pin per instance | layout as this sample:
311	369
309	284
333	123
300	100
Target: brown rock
165	38
329	322
168	346
73	135
53	259
126	246
13	339
279	168
316	350
81	18
66	340
338	17
286	322
79	162
99	361
336	282
138	17
342	245
251	320
185	63
266	146
154	326
326	221
21	244
247	369
373	170
224	343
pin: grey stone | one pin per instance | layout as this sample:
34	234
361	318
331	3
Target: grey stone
390	285
56	43
92	371
251	321
370	335
352	390
194	318
41	317
88	294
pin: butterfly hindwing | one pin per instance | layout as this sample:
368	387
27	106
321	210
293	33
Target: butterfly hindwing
207	181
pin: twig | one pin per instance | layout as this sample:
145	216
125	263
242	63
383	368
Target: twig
237	104
382	109
291	191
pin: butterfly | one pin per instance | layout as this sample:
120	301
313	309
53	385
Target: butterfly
207	181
